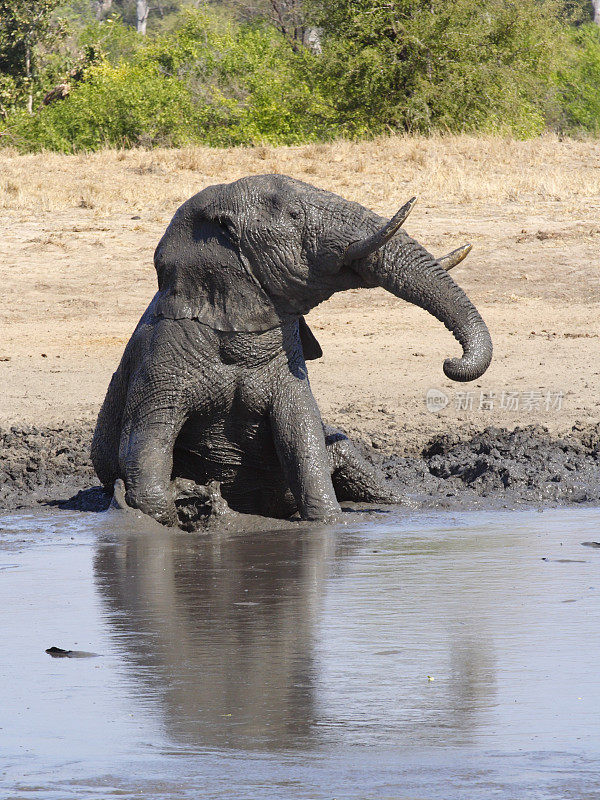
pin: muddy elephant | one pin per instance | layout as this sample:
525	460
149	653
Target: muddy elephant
213	385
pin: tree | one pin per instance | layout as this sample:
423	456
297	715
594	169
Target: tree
288	16
596	5
24	25
143	9
101	8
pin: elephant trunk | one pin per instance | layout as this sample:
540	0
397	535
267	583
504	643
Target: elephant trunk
408	271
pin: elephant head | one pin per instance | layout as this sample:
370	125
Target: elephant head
262	251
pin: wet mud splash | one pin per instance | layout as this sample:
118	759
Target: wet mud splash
493	468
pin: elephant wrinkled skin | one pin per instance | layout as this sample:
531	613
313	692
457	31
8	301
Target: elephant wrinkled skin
213	384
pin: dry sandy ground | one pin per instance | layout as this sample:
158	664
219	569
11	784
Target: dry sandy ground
78	233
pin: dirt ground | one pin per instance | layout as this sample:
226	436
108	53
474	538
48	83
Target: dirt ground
78	233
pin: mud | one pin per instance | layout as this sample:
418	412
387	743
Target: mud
523	466
45	465
493	468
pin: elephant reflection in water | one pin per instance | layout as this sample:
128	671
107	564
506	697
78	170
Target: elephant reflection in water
220	630
220	633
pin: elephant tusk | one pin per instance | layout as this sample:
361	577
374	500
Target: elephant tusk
368	246
450	260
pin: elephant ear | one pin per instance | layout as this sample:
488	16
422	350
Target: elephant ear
310	346
202	273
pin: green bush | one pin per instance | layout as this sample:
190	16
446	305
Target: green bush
579	83
120	106
460	66
110	37
8	92
208	82
26	28
256	87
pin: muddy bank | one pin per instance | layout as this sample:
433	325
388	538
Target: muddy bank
44	464
501	467
493	468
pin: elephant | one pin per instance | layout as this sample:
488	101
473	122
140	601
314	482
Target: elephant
213	384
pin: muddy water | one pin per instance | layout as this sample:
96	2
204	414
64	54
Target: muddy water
396	656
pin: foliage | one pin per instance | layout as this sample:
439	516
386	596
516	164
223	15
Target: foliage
122	105
579	83
161	15
9	91
116	41
258	89
221	77
457	66
25	25
209	82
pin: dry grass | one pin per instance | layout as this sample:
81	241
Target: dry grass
441	169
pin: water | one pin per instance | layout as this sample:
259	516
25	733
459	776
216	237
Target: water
400	655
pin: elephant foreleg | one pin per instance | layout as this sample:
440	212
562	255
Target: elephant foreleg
354	478
150	428
300	444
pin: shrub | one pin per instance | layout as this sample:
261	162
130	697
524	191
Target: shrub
209	82
579	83
257	88
120	106
457	66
